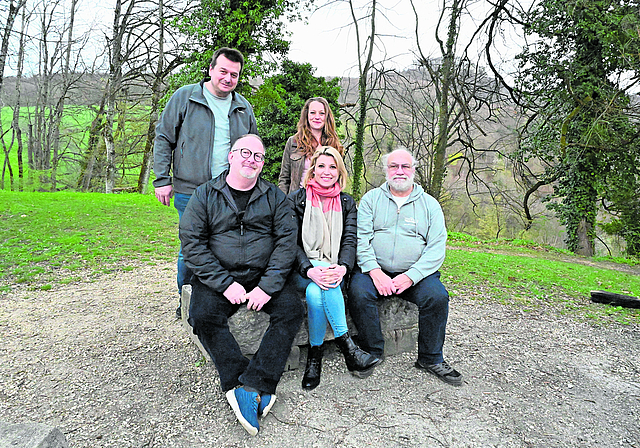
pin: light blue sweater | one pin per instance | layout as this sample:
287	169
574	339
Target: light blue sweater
410	240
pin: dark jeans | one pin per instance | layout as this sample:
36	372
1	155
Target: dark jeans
184	275
209	314
433	306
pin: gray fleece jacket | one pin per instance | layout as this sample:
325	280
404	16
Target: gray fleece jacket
410	240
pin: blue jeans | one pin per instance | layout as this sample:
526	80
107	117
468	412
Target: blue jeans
433	310
180	201
208	315
322	307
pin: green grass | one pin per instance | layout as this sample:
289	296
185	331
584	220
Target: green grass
531	279
42	233
465	240
48	238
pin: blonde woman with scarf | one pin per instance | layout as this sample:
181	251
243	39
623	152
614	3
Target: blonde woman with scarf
325	255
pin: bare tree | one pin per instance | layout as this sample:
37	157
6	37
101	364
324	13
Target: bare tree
365	54
464	95
163	68
15	123
12	13
59	71
156	94
363	21
137	43
66	85
116	57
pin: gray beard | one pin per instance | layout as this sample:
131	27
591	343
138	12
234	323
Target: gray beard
401	186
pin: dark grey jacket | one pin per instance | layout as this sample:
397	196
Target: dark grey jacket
184	137
222	246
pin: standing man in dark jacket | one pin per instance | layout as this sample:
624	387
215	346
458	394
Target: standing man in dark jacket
238	236
194	134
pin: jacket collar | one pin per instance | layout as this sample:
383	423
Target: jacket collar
220	184
415	193
198	96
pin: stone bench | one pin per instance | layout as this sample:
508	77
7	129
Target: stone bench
31	435
398	318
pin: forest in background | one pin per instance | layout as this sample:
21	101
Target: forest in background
543	147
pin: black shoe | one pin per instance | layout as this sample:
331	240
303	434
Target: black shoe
311	377
179	312
359	363
443	371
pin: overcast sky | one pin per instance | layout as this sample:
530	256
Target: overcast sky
328	41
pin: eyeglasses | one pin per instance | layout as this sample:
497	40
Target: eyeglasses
396	167
245	153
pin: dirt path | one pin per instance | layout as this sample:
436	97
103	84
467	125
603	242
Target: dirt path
107	364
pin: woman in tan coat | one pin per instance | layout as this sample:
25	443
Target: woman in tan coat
316	127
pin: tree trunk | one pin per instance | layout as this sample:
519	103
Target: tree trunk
91	152
586	246
120	27
110	147
16	109
8	27
59	112
446	80
358	158
145	169
6	165
615	299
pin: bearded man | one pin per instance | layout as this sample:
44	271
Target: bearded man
401	246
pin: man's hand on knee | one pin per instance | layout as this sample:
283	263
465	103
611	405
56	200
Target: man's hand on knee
401	283
256	299
382	282
235	293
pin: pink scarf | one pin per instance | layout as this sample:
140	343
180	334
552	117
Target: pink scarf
322	228
315	191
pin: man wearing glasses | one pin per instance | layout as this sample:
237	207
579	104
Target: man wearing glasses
401	246
239	237
194	134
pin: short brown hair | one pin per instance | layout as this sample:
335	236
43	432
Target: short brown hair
230	53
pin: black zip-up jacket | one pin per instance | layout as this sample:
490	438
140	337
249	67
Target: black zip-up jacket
221	245
348	242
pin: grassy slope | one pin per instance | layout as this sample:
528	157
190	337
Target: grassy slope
40	233
46	237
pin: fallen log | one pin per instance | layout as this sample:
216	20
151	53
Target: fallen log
615	299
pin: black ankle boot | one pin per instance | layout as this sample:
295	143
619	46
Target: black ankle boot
359	362
311	377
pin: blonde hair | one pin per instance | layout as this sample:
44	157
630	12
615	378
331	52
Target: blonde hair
337	157
306	142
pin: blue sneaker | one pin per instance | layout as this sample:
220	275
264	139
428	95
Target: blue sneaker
245	405
266	403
